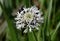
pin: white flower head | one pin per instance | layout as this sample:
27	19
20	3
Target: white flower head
29	19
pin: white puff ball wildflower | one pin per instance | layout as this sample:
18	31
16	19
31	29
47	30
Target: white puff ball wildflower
29	19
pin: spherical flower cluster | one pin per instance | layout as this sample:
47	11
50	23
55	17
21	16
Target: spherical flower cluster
29	19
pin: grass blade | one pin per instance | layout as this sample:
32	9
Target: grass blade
10	25
42	3
11	28
17	3
55	32
26	3
31	36
47	22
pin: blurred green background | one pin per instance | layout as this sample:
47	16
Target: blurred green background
49	30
